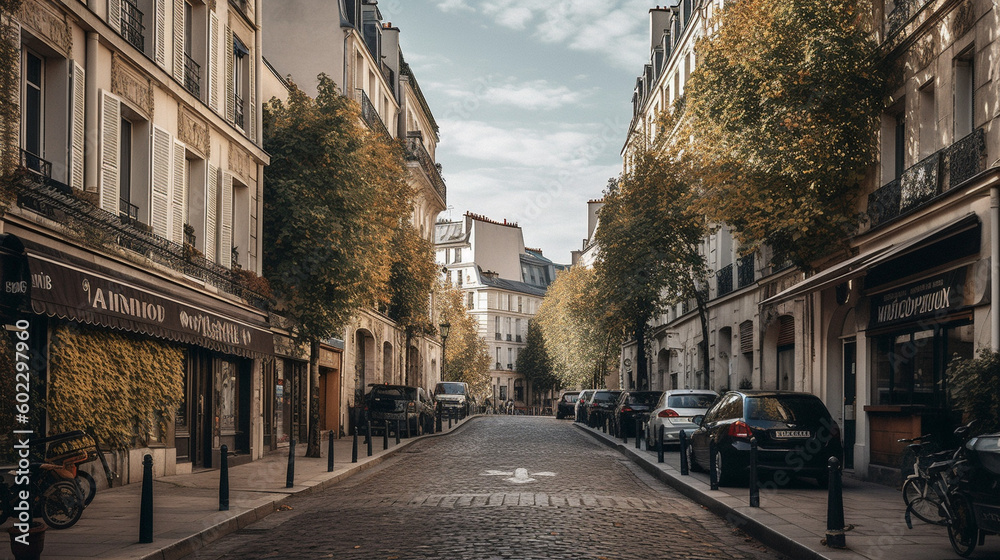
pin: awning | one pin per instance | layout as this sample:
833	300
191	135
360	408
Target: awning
859	265
79	293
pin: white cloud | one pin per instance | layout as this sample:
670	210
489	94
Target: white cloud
550	147
537	94
453	6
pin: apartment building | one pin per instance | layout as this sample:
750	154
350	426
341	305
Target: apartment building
138	208
504	283
361	52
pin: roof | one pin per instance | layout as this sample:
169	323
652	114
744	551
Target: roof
534	258
513	286
449	232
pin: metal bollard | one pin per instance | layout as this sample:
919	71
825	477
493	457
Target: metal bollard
449	418
406	425
385	436
754	482
146	506
604	426
713	468
224	478
368	436
638	428
682	437
659	445
290	477
329	454
835	537
437	423
354	448
397	432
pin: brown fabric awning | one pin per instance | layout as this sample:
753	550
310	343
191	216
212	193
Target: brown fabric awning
75	292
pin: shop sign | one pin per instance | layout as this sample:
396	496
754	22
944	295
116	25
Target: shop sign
15	279
926	300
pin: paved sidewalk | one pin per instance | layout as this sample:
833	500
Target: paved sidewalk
185	507
793	520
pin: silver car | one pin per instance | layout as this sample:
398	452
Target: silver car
674	412
581	399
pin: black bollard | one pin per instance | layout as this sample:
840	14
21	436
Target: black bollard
385	436
406	423
713	467
146	506
754	482
397	432
659	445
638	429
329	454
224	478
368	436
835	537
437	422
354	448
449	418
290	476
682	437
604	426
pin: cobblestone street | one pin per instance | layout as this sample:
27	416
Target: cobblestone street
465	496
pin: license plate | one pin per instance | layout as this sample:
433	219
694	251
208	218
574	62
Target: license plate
792	433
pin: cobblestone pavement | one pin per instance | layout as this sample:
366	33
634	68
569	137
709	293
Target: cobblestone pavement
464	497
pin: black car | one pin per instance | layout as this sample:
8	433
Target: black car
567	404
599	406
632	405
392	403
796	436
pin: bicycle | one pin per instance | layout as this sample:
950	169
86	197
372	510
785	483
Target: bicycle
926	492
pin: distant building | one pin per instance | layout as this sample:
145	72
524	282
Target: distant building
504	284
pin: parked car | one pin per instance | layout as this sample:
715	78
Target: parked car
674	412
567	404
399	402
796	436
629	406
454	395
581	401
599	406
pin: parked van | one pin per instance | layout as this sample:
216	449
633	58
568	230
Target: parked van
454	394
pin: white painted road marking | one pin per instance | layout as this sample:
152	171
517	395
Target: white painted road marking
519	476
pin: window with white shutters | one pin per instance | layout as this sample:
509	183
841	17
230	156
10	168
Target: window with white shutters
179	197
212	214
115	14
230	87
160	214
226	227
213	62
178	39
111	116
78	134
160	32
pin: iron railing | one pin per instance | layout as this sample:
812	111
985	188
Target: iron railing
192	76
724	280
508	338
745	269
99	228
517	338
936	174
132	28
497	336
35	164
415	151
128	212
370	115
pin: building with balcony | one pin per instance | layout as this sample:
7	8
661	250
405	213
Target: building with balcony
138	203
504	283
349	41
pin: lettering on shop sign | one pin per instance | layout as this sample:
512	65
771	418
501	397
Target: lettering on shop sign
119	303
938	295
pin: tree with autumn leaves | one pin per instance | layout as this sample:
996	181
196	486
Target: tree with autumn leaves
336	224
466	357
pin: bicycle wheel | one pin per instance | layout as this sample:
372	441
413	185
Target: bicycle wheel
61	505
88	485
922	501
963	532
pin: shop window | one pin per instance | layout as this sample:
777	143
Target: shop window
910	366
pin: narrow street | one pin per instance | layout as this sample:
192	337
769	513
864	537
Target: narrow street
463	496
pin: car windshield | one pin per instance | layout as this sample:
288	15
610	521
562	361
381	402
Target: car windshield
785	409
643	398
570	397
690	401
605	396
408	393
450	389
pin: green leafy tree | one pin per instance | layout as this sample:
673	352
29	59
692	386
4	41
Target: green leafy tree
534	362
784	111
335	194
466	356
974	385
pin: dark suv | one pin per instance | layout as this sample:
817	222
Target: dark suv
399	402
796	436
599	406
567	403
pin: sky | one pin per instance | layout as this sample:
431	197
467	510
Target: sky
533	101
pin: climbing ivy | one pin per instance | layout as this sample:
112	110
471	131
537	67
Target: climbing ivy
10	52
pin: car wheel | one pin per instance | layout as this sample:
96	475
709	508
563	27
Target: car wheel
723	470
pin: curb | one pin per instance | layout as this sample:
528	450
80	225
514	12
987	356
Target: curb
773	539
188	545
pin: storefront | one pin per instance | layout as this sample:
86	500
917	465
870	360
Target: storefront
286	386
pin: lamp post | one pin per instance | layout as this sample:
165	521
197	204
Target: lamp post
445	329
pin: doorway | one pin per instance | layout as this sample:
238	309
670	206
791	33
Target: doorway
850	401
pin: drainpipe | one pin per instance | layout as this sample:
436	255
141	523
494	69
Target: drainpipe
91	161
994	262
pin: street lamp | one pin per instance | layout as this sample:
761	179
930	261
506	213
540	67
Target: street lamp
445	329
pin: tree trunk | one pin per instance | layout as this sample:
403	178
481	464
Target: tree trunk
313	447
406	358
641	375
703	315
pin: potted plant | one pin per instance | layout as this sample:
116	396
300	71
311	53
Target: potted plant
27	547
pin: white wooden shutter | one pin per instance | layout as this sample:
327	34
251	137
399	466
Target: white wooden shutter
251	127
212	214
226	229
179	199
111	122
179	40
160	54
213	63
230	83
160	207
115	15
78	135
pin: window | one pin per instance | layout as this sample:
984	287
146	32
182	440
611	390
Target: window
496	329
965	94
458	273
187	58
909	366
471	300
240	78
893	151
127	210
519	307
928	121
458	255
33	114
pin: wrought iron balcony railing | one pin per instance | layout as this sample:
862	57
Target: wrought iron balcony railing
35	164
745	270
518	338
192	76
99	229
370	115
415	151
132	28
128	212
724	280
936	174
498	336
